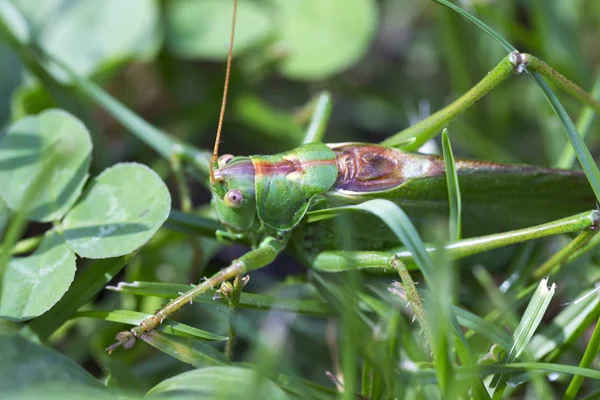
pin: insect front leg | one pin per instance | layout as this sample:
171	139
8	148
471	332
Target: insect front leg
257	258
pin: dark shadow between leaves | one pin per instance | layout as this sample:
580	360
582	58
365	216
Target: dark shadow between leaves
124	229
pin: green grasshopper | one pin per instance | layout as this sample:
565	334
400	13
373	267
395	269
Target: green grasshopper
276	202
287	201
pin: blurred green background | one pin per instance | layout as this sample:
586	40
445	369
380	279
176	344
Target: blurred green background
386	63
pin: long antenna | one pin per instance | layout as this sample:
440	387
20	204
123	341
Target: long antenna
225	90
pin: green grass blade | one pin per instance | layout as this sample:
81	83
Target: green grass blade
321	109
186	349
453	189
566	327
153	137
581	151
527	326
531	319
135	318
481	371
584	123
482	327
484	27
586	362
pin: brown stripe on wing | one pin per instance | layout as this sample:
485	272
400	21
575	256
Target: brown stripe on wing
287	166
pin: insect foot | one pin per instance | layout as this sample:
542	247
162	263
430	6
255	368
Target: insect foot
520	61
595	220
224	291
125	339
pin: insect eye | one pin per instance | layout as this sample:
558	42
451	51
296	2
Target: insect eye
224	160
234	198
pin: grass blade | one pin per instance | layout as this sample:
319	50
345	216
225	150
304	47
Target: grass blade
584	122
453	189
185	349
581	151
484	27
588	357
566	327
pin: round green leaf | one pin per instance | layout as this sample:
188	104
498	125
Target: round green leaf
89	34
44	163
218	383
202	28
33	284
322	38
124	206
26	364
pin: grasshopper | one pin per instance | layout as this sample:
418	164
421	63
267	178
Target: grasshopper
273	202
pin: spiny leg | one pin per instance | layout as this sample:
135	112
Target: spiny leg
264	254
514	63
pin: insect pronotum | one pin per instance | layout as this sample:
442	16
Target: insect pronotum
270	200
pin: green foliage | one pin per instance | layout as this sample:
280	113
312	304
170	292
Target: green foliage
197	29
122	209
27	364
81	260
218	382
31	285
46	160
90	35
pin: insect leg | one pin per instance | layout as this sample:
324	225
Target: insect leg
515	62
336	261
264	254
